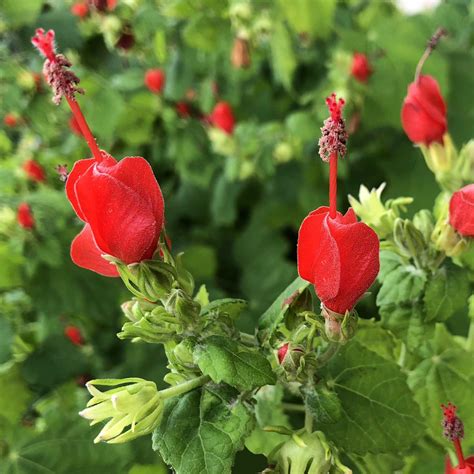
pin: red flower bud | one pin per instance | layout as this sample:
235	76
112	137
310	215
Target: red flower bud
34	171
424	112
126	40
339	256
361	68
10	120
73	333
122	206
155	80
25	216
222	117
282	352
80	9
461	211
183	109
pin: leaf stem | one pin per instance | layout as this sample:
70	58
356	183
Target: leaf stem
328	354
184	387
293	407
248	339
308	420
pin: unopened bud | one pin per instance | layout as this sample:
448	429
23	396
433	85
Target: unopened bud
339	327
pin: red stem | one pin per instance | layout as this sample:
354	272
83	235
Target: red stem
333	185
459	454
86	131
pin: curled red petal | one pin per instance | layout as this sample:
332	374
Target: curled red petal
461	211
86	254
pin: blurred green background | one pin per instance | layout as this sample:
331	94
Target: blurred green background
233	202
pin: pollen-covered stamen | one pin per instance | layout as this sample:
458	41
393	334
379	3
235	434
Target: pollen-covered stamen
453	430
334	134
453	427
62	81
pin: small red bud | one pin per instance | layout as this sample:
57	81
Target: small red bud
11	120
282	352
73	333
155	80
222	117
361	69
183	109
25	216
80	9
126	41
34	171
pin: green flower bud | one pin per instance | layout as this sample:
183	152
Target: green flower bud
447	240
222	143
339	327
183	307
183	353
408	238
423	221
283	152
381	217
134	407
465	167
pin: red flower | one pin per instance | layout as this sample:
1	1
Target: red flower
469	469
80	9
10	120
361	68
339	256
461	211
73	333
183	109
122	206
222	117
424	112
25	216
155	80
126	40
34	171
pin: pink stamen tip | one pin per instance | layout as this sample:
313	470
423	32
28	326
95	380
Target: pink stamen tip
44	42
335	106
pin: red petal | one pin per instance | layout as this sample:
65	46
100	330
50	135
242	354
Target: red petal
79	168
86	254
358	247
122	221
461	211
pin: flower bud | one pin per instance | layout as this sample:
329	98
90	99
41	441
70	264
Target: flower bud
447	240
283	152
408	238
134	407
339	327
73	333
25	216
240	55
461	211
361	69
222	117
291	359
155	80
183	307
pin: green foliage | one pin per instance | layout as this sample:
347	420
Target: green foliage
201	432
376	403
227	361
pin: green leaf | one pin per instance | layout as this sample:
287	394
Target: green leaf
402	285
389	261
377	463
376	403
231	307
227	361
324	405
283	56
274	314
21	13
374	337
268	412
302	16
446	292
6	338
159	46
200	432
10	274
448	375
204	31
14	395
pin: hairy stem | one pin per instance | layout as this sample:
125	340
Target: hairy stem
293	407
328	354
184	387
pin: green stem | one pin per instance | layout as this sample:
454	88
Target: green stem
328	354
248	339
403	355
184	387
470	337
293	407
308	421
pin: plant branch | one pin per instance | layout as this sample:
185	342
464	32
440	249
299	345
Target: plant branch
184	387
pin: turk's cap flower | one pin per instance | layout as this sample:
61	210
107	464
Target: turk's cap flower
339	256
424	112
34	171
361	69
123	210
379	216
133	407
155	80
25	216
461	211
222	117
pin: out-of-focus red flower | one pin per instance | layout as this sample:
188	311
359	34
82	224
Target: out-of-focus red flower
122	206
155	80
80	9
339	256
468	469
126	41
222	117
424	112
183	109
11	120
73	333
34	171
25	216
461	211
361	68
103	5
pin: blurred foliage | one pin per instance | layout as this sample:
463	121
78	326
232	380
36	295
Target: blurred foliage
233	202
